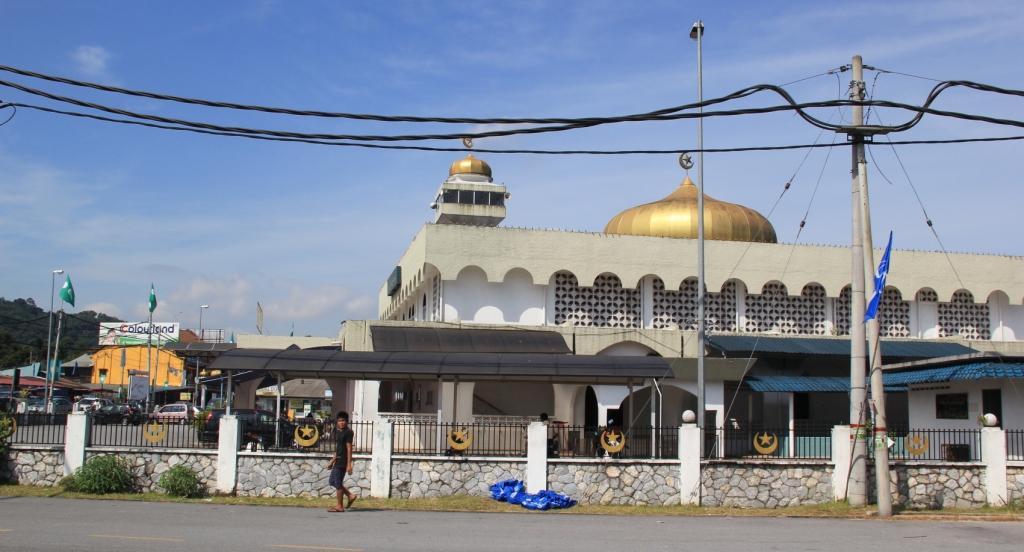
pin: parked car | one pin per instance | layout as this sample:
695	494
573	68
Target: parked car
257	428
175	413
89	404
109	413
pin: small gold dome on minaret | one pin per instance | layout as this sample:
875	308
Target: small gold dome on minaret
470	165
675	216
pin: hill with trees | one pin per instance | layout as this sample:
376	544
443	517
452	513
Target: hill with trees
23	328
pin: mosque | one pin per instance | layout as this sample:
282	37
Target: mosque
777	320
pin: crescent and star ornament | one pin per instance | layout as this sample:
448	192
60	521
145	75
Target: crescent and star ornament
613	441
459	439
307	435
154	432
766	443
917	444
685	161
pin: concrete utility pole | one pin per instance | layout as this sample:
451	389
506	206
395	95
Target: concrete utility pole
856	493
880	435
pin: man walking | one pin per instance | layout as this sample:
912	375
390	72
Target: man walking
341	464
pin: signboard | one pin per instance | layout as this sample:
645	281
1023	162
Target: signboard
137	333
138	388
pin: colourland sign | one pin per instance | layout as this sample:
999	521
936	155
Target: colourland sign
137	333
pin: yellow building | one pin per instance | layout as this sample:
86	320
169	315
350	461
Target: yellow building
117	363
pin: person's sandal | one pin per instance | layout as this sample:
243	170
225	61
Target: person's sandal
335	509
351	500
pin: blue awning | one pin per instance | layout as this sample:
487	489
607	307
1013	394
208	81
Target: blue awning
958	372
805	384
760	346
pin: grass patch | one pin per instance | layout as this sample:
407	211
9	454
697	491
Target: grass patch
465	503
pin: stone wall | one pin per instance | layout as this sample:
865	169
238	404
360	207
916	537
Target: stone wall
417	477
933	486
39	466
751	484
296	474
1015	484
149	464
616	482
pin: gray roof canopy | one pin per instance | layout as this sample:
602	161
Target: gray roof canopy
395	339
446	366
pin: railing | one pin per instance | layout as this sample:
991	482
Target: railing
149	434
317	436
459	439
407	418
802	441
1015	444
947	445
39	429
599	442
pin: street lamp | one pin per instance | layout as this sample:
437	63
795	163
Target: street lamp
49	331
697	33
195	391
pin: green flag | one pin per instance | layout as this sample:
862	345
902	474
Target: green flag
152	298
67	291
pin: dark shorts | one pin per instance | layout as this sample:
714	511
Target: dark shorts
338	476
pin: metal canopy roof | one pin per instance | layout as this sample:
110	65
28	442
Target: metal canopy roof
395	339
807	384
446	366
829	347
959	372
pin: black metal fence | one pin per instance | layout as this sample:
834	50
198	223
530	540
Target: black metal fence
597	442
490	439
1015	444
150	434
39	429
317	436
804	441
946	445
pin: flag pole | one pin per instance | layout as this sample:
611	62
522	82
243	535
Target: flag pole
49	369
149	363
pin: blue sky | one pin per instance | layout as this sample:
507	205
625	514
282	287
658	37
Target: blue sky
312	231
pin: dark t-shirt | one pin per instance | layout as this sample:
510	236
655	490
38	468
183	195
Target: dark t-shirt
342	438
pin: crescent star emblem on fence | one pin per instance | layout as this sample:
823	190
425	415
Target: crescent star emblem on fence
917	444
306	435
154	432
459	439
613	441
766	443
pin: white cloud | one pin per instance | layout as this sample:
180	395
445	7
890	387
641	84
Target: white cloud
91	60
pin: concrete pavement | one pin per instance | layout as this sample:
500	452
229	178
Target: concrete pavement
48	524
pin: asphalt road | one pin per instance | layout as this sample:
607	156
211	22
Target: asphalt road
41	524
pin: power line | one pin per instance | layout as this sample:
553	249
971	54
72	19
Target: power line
666	114
675	151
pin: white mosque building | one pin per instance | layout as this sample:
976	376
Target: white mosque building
781	310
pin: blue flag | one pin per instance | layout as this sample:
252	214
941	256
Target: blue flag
880	274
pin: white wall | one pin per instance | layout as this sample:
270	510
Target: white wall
516	300
921	404
1007	320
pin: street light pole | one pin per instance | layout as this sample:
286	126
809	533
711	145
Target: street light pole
195	392
49	332
697	33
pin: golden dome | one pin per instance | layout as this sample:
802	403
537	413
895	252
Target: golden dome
675	216
470	165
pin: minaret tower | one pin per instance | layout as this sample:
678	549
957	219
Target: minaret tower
469	195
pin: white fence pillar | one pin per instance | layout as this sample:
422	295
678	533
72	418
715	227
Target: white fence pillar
690	440
227	454
842	452
537	457
993	454
380	461
76	438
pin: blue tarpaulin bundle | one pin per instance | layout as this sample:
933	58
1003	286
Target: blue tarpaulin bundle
514	492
